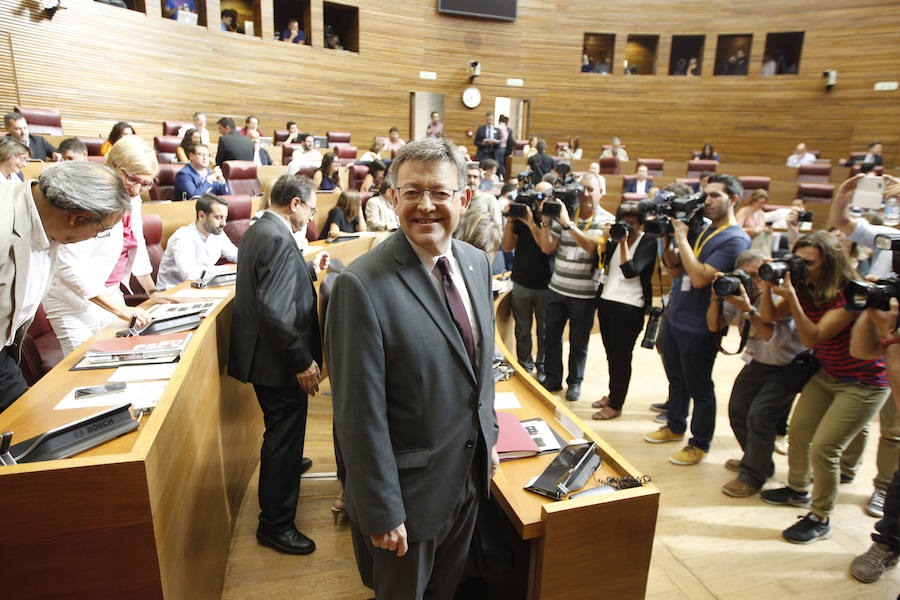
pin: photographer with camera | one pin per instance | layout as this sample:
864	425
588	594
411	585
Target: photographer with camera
689	348
624	296
572	288
530	274
845	393
862	232
778	364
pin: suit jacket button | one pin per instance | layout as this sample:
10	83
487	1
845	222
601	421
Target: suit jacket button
470	442
479	404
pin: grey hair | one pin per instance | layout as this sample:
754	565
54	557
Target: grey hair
76	186
748	256
429	150
10	146
288	187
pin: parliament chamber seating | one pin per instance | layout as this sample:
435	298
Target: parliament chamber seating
691	182
346	153
165	146
153	229
608	146
279	135
240	211
363	199
173	127
754	182
632	197
41	121
695	167
164	182
40	348
241	177
337	137
93	144
654	165
814	173
609	166
356	175
815	192
855	169
287	151
307	170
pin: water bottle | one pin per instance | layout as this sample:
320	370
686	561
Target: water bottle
892	212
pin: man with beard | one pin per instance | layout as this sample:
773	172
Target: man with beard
194	248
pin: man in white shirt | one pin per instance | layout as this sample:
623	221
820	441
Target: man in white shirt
194	248
800	157
305	156
199	121
615	151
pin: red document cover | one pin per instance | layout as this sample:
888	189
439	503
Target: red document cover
166	342
513	441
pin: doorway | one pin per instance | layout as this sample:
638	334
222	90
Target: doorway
421	105
518	111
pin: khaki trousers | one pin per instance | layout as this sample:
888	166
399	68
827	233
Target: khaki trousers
888	447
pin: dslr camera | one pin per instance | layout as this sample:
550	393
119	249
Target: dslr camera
649	340
861	295
774	271
665	206
619	231
730	284
566	191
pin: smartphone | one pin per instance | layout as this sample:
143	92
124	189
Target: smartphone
869	192
99	390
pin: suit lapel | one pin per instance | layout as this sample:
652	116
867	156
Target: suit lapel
421	284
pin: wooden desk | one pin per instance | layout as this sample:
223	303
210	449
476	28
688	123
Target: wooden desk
149	514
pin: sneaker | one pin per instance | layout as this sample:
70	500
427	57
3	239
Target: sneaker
689	455
738	489
573	392
781	444
733	464
661	418
847	478
663	434
659	407
875	505
869	566
786	497
807	530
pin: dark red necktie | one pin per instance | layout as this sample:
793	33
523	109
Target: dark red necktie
457	308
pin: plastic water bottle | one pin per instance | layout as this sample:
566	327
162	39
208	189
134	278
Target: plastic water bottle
892	212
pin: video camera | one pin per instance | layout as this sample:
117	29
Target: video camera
774	271
730	284
666	206
861	295
566	191
526	196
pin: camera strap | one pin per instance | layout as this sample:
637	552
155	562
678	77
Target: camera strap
745	335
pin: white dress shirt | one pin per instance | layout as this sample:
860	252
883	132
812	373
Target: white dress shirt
793	160
204	134
640	186
313	158
189	253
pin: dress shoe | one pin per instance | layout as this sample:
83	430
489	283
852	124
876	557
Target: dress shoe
551	386
305	465
288	542
573	392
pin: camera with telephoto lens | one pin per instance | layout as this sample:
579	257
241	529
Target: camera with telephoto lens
527	180
660	210
861	295
652	329
730	284
619	231
567	189
774	271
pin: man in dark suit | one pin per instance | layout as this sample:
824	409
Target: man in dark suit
541	163
275	345
640	184
17	127
197	178
487	139
409	336
232	145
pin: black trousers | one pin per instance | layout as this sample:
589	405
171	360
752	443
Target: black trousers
12	384
620	325
284	412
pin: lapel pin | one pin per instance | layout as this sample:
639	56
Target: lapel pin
470	268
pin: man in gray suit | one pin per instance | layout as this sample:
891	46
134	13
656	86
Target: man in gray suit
409	338
70	202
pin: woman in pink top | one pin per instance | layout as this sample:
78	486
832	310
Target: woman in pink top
753	216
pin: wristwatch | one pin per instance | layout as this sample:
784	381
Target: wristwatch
568	227
750	313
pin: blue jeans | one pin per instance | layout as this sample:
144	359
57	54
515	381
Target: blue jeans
689	359
579	312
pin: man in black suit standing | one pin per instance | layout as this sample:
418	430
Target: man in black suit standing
232	145
487	138
410	336
17	127
275	345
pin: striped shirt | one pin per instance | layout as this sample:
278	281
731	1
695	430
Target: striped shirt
574	268
834	354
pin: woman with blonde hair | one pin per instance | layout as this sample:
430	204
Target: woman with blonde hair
346	217
13	157
84	294
374	152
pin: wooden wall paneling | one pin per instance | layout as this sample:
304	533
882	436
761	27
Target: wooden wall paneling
9	87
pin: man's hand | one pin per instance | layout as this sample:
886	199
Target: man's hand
495	460
680	232
56	156
528	218
324	261
309	379
141	316
563	217
217	174
885	321
742	302
395	539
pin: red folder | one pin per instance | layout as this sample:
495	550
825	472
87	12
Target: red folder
513	441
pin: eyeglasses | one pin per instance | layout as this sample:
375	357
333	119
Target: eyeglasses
134	181
412	195
311	209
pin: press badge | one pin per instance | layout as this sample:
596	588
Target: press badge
600	276
685	282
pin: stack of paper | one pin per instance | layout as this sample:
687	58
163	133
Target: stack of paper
136	350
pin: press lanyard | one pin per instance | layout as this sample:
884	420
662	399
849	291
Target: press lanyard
699	247
578	210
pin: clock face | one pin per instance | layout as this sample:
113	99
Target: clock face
471	97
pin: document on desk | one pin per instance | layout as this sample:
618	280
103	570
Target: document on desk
143	373
204	292
161	311
140	394
506	401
